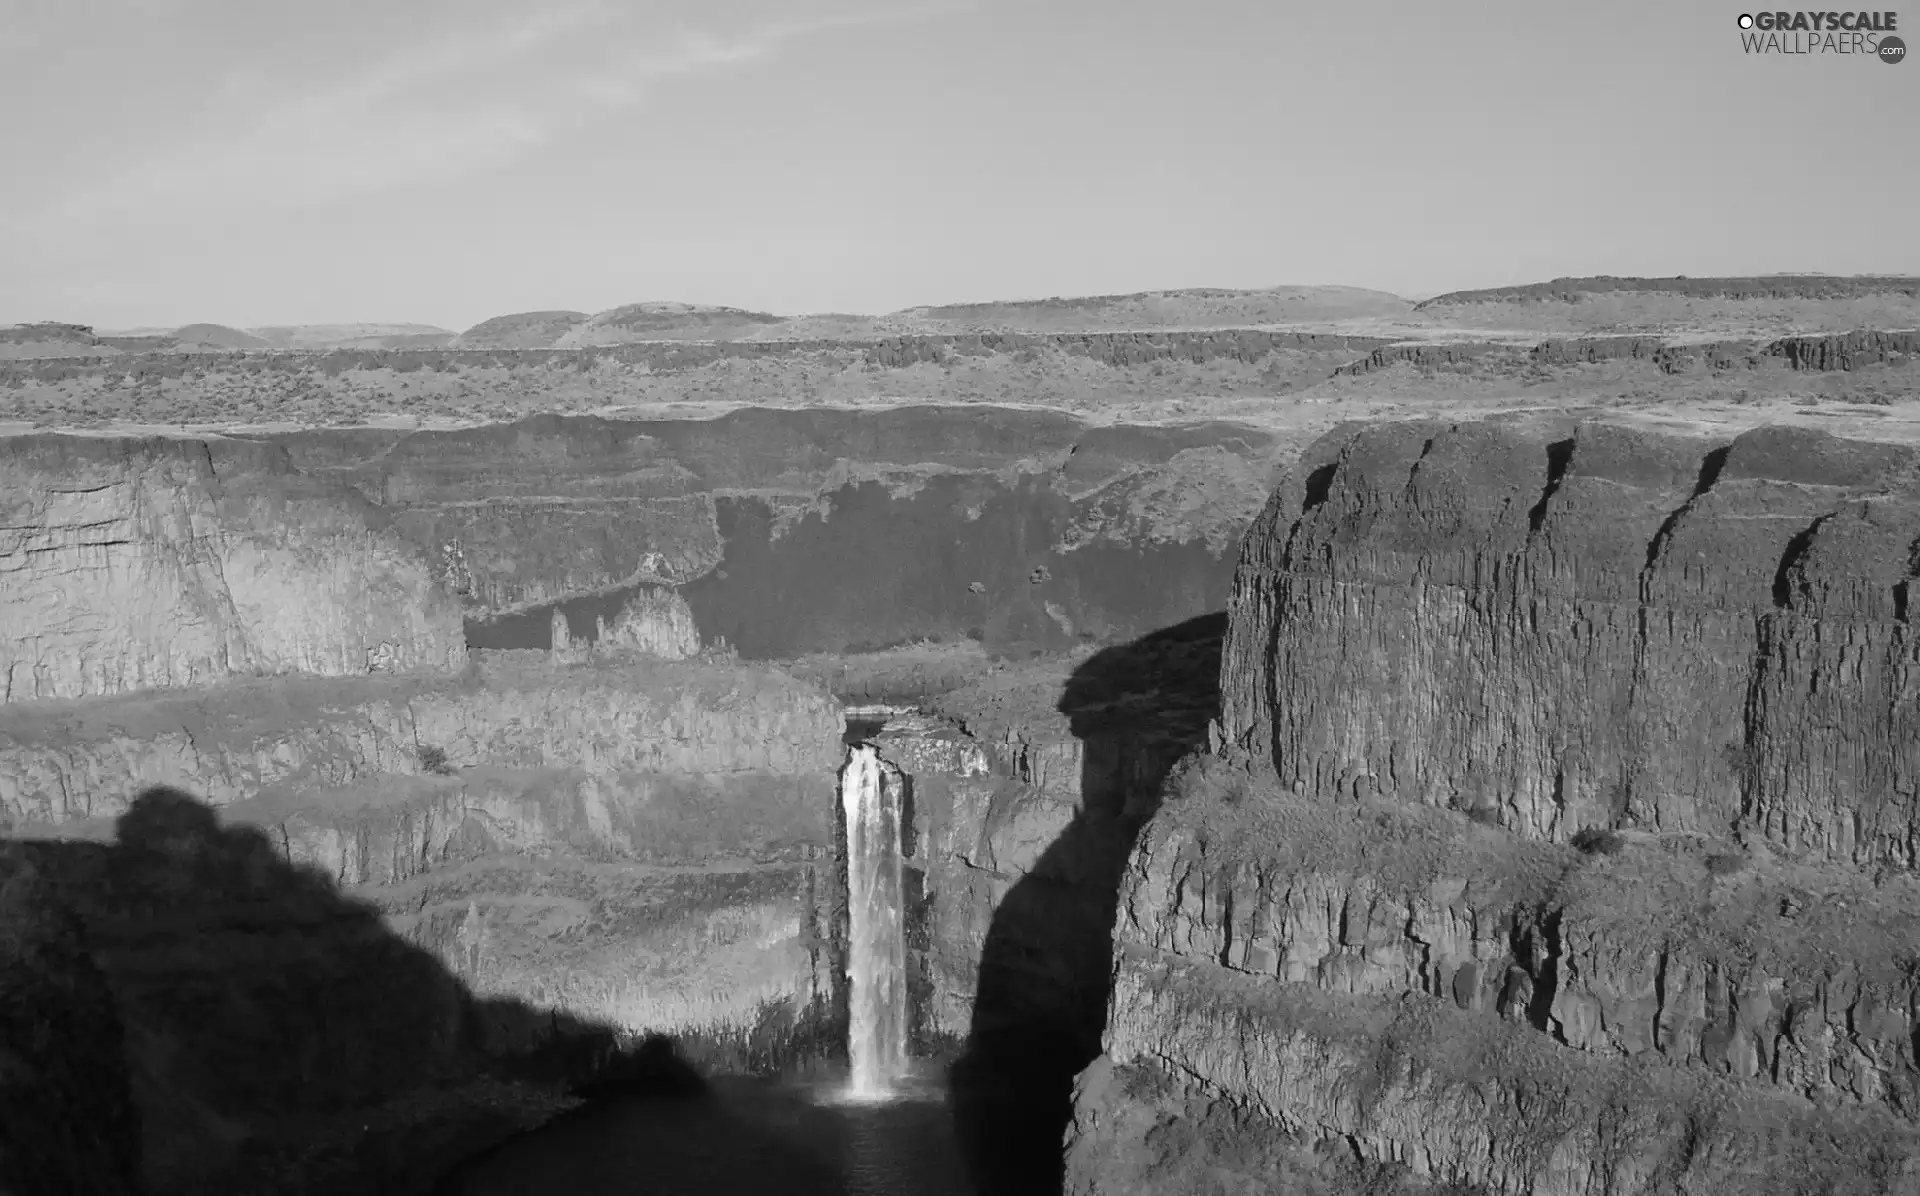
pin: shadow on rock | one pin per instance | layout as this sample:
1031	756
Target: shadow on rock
1046	966
185	1011
654	1071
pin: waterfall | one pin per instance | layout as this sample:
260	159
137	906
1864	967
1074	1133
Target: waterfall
876	938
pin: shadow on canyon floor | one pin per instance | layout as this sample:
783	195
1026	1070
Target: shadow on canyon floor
1046	965
184	1003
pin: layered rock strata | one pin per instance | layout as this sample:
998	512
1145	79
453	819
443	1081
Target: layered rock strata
61	762
1858	349
798	531
1559	835
1461	1102
1027	788
1805	979
654	621
1614	629
137	564
633	842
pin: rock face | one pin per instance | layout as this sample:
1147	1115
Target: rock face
798	531
68	763
1798	978
1456	1100
623	841
1782	286
1612	630
1556	834
140	564
655	621
1026	793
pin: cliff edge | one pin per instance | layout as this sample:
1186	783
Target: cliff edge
1613	629
1557	836
161	562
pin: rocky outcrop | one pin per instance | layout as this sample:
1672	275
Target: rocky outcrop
1848	350
664	356
1783	286
1614	629
608	714
988	799
1424	355
1116	349
682	812
501	512
1556	833
142	564
1026	789
1416	991
52	340
1816	353
1454	1098
1797	978
794	532
654	621
401	878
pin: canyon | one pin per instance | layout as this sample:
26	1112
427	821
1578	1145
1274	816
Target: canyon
1327	758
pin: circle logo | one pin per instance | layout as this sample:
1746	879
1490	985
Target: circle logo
1892	49
1746	20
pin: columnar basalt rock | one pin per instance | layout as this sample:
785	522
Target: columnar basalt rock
851	516
989	801
633	841
610	714
972	829
655	621
1452	1097
1803	979
1544	757
138	564
1610	629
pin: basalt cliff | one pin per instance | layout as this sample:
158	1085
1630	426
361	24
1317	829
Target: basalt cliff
1556	836
164	562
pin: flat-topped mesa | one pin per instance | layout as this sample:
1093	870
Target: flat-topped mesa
1611	628
159	562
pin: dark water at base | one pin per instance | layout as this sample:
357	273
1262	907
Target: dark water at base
744	1138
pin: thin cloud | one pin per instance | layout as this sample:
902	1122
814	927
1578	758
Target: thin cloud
447	108
625	82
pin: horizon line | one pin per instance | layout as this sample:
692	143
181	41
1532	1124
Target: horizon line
1416	296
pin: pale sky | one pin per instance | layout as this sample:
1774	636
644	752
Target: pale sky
260	161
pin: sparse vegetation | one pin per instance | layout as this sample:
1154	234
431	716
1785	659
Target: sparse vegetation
434	760
1592	355
1595	840
1726	863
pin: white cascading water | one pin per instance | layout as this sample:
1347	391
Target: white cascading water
876	938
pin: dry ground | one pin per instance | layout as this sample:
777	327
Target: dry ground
1294	392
